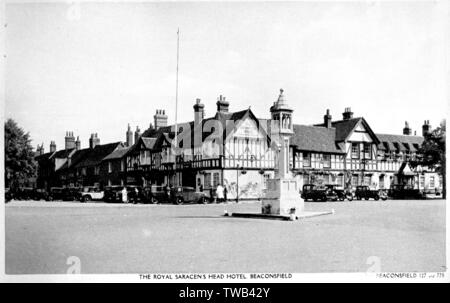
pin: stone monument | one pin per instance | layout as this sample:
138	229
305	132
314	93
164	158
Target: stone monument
282	195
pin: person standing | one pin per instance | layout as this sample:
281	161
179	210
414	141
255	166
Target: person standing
124	195
219	193
225	194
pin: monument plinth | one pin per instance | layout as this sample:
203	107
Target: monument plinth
282	199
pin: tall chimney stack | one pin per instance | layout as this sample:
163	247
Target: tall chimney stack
52	146
426	128
160	118
199	111
407	129
94	140
78	143
222	104
327	119
69	140
137	134
129	136
347	114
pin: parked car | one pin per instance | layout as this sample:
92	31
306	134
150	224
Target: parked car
318	193
153	194
55	193
71	194
91	193
135	194
113	193
364	192
341	193
184	194
40	194
402	191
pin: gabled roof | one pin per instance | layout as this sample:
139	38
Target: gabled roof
95	155
117	154
43	157
345	127
316	139
63	153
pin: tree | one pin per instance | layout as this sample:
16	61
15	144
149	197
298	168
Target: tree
20	165
433	153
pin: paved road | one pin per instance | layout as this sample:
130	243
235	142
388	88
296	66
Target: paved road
116	238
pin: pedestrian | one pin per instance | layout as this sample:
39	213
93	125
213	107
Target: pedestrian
124	195
219	193
225	193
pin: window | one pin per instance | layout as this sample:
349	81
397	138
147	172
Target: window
109	167
431	181
96	170
207	180
215	179
355	150
367	151
340	180
381	182
327	161
306	159
421	181
367	180
354	180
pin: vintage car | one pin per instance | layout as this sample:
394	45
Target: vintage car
91	193
318	193
341	193
113	193
184	194
55	193
364	192
154	194
402	191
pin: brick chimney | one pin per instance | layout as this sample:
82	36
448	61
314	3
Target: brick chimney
129	136
327	119
137	134
407	130
160	118
94	140
52	146
78	143
69	140
222	105
199	112
347	114
426	128
40	149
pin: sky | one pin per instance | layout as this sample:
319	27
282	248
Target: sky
95	67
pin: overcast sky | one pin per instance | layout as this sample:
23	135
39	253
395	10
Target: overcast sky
95	67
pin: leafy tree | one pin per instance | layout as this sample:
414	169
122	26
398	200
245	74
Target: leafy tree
433	153
19	156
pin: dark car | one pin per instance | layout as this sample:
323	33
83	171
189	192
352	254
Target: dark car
184	194
364	192
55	193
24	193
402	191
153	194
341	193
40	194
113	194
71	194
318	193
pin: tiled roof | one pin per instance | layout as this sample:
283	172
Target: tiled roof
315	138
117	154
45	156
95	156
63	153
387	142
344	127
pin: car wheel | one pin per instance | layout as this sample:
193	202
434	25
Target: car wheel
377	198
367	198
86	198
179	201
358	198
350	198
341	198
203	200
324	199
384	198
153	200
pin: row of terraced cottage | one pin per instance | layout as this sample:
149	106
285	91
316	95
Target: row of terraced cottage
235	149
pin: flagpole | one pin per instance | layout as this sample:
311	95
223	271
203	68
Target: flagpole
176	107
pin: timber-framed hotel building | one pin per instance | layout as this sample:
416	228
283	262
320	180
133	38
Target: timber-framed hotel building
235	149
